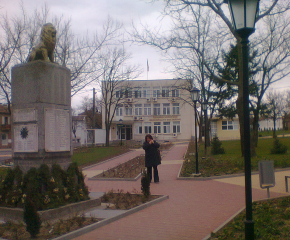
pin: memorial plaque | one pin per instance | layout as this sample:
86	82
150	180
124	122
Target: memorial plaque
57	130
24	115
26	138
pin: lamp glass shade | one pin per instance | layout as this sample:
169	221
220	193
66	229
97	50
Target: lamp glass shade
194	94
243	13
204	105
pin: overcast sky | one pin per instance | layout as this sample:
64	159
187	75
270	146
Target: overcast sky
90	15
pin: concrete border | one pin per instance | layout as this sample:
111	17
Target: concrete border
224	224
221	176
54	213
104	222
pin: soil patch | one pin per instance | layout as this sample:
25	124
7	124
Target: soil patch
130	169
17	230
125	200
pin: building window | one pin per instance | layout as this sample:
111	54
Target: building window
175	108
176	127
138	128
137	93
175	93
146	92
165	92
157	127
156	109
138	109
166	127
128	94
213	128
230	125
119	111
147	109
147	127
128	110
119	94
156	92
166	108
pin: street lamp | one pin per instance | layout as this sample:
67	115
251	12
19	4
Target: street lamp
244	13
204	107
195	96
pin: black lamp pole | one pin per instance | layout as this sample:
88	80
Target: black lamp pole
121	126
244	15
194	96
195	133
204	107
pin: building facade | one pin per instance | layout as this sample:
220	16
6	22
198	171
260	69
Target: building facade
158	107
5	118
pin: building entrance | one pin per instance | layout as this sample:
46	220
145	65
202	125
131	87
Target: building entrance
125	132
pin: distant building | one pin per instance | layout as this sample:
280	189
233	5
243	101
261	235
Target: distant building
157	107
5	118
79	130
267	124
225	129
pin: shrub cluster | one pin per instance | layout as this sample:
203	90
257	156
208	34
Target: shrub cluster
216	146
278	147
48	188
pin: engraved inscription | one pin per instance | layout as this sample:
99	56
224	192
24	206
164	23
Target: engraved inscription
57	130
26	138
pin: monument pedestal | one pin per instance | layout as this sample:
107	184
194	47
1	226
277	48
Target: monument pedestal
41	113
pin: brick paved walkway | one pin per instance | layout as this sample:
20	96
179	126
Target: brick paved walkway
193	210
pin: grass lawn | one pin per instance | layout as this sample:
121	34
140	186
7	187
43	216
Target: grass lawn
86	156
272	221
232	161
270	133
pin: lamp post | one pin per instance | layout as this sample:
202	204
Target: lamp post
204	107
121	126
244	13
195	96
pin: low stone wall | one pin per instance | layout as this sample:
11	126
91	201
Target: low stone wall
51	214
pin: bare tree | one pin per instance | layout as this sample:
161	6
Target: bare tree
115	75
19	35
86	109
276	104
187	7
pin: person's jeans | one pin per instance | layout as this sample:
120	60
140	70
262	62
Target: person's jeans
149	171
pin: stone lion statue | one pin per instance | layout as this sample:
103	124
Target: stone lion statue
45	48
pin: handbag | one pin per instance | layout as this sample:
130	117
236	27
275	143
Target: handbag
159	155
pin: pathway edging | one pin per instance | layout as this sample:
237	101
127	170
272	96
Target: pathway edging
104	222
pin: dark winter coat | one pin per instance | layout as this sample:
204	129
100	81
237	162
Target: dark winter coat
151	155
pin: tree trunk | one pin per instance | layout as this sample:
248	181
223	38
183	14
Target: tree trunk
200	127
239	104
255	128
107	135
274	121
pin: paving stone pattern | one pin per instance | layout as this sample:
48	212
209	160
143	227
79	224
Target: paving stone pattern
194	208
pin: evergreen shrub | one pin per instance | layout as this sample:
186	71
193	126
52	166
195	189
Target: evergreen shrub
278	147
216	146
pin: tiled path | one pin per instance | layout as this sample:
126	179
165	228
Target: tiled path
193	210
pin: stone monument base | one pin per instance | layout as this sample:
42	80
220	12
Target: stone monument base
41	128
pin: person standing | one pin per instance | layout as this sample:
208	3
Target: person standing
151	157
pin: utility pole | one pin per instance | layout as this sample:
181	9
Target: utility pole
94	113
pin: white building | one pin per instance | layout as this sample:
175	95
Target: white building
158	107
